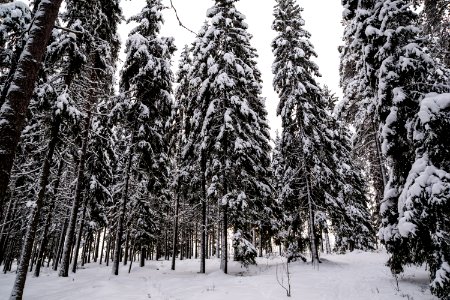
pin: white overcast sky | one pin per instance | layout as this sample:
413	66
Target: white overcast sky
323	21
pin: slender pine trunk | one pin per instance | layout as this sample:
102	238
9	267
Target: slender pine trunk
115	270
97	245
312	235
48	222
79	236
103	245
70	234
175	231
203	226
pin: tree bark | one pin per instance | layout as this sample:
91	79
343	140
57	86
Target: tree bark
142	260
48	222
125	255
103	245
79	237
203	226
312	235
13	110
97	245
115	270
175	231
70	234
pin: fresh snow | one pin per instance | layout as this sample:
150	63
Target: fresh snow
354	276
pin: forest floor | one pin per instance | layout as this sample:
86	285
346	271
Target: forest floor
353	276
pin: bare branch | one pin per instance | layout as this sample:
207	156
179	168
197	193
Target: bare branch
178	18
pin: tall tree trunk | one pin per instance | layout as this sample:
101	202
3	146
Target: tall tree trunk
327	241
60	244
13	110
260	241
175	230
4	234
79	236
48	222
103	245
203	226
97	245
142	259
218	233
125	256
27	246
70	234
115	270
312	235
224	265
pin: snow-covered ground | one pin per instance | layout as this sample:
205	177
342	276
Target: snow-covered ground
354	276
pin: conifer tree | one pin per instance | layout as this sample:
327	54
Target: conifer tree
146	106
229	130
358	81
302	110
398	73
318	172
98	47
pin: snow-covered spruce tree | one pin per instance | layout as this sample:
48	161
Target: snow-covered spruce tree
229	128
99	45
425	197
358	81
405	73
315	160
301	108
146	104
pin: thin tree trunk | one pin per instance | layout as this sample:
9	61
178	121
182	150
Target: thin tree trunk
327	241
131	259
6	226
115	270
60	245
224	265
13	111
125	257
196	241
261	238
108	250
175	231
48	222
142	261
97	245
312	236
103	245
40	255
218	234
19	284
70	234
203	226
79	237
